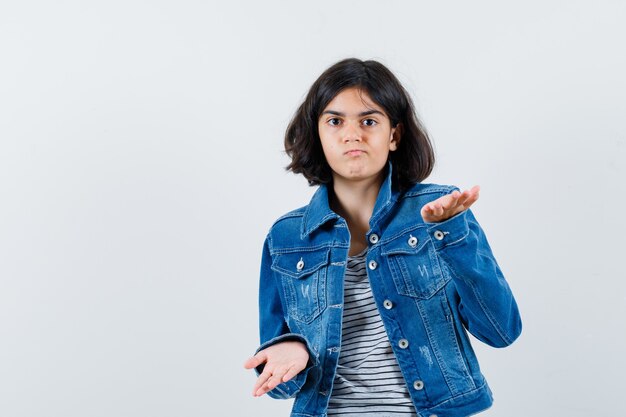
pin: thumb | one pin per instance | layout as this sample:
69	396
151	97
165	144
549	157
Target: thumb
255	361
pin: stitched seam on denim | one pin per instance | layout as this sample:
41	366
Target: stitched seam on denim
301	274
383	211
322	289
307	397
282	336
432	343
396	276
442	189
455	397
283	393
437	271
268	237
456	241
442	245
310	228
483	306
289	289
453	336
487	311
329	372
490	316
458	335
299	212
292	249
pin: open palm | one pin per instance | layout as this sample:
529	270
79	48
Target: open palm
282	362
449	205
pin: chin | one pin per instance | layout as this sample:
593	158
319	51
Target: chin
358	176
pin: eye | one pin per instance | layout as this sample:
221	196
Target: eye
370	122
334	121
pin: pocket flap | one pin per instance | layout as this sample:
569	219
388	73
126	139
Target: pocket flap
407	243
300	262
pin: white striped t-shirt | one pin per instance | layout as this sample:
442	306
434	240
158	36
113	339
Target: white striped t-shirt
368	382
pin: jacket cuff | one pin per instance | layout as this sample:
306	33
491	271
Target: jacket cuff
290	388
450	231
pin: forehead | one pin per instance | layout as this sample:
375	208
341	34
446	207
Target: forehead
355	98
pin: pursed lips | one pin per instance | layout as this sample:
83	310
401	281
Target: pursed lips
354	152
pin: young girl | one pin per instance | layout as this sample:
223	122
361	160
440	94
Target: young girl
367	292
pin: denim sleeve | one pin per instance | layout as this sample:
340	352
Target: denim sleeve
274	329
487	306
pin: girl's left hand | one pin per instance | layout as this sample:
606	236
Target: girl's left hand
449	205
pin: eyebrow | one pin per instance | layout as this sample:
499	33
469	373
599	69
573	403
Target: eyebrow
363	113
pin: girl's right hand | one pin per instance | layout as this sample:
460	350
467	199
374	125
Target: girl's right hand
282	361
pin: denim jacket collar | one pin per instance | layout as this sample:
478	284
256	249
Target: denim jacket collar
319	212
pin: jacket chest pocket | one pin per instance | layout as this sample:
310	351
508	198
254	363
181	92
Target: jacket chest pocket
414	265
303	277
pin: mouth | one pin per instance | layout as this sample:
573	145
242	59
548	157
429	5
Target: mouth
354	152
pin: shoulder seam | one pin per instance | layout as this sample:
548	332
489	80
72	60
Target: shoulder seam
431	189
299	212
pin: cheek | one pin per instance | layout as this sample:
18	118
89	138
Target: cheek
327	143
329	151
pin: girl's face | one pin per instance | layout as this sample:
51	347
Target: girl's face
356	136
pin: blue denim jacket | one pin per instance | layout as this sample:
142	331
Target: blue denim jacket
431	282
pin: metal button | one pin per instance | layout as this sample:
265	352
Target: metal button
433	415
388	304
300	264
403	343
372	265
412	241
438	234
418	385
373	238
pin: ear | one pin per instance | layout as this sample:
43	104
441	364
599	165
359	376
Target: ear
396	135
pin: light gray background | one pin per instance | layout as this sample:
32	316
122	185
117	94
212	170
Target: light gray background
141	165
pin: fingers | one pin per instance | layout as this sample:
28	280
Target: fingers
437	208
268	380
431	212
275	379
253	362
259	387
469	197
448	202
282	362
465	200
459	201
291	372
449	205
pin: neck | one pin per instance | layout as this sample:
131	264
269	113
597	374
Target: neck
354	201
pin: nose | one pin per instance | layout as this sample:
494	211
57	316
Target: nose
351	133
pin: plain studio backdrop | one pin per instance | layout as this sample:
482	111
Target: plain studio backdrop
141	165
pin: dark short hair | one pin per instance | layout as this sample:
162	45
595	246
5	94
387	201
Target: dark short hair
414	159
